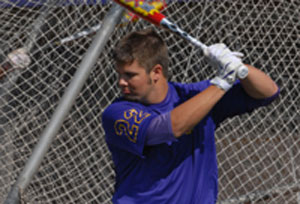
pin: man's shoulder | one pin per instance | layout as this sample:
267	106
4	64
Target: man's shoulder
120	105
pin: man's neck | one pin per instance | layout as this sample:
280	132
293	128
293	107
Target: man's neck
159	93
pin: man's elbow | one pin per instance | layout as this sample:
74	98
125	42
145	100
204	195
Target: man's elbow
269	91
274	91
179	129
177	134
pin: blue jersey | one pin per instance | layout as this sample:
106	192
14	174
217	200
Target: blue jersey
181	171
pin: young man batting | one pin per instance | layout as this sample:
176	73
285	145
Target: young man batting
161	134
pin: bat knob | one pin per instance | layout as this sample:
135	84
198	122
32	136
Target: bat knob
242	72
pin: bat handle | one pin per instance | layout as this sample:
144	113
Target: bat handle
165	23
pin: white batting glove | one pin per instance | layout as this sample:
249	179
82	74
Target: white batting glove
228	63
19	58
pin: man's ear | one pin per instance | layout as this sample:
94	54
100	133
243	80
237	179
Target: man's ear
157	72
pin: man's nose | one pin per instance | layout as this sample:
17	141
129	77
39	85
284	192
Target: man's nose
122	82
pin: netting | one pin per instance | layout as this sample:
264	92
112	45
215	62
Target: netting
258	154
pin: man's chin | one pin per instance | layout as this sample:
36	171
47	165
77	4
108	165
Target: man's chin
131	97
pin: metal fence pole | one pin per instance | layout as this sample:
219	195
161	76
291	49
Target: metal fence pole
72	91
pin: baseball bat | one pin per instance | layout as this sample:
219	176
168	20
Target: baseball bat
78	35
154	16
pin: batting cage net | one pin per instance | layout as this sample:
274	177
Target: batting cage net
258	153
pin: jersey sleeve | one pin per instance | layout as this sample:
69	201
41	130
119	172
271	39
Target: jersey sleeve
125	127
189	90
236	101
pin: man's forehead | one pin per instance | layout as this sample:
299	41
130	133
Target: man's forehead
129	67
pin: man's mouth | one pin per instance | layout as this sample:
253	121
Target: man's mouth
125	91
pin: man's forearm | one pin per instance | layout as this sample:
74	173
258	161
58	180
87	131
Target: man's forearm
185	116
258	85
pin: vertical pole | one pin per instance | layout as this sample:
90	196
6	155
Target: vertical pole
32	165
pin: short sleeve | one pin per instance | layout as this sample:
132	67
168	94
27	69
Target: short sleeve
125	126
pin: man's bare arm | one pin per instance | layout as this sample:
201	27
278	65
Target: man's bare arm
258	85
185	116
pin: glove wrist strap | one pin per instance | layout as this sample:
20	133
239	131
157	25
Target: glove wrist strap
221	83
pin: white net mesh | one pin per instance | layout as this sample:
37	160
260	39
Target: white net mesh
259	154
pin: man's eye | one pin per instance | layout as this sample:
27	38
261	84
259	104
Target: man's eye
129	75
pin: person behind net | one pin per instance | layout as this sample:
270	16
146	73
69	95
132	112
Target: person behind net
161	133
17	59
